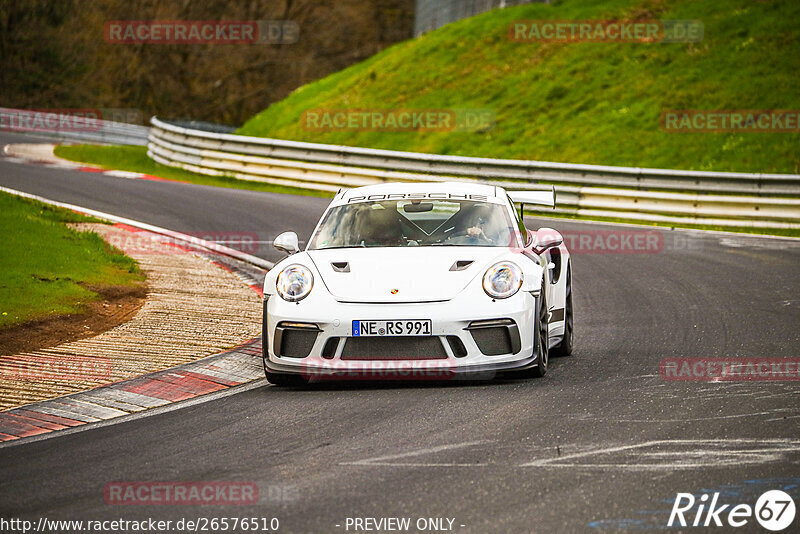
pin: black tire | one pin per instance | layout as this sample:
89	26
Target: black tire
541	340
565	347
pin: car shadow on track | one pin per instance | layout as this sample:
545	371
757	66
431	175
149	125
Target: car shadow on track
400	384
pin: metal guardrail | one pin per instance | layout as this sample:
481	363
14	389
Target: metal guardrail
105	133
672	196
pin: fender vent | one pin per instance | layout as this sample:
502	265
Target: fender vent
340	266
460	265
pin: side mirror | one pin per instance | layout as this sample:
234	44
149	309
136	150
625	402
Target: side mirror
287	243
546	238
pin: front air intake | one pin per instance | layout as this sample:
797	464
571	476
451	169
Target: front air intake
394	348
329	350
295	340
496	336
456	345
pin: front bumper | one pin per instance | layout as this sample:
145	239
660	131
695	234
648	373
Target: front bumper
320	329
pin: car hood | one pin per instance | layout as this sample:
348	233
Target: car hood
401	274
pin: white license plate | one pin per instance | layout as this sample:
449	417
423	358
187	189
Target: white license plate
407	327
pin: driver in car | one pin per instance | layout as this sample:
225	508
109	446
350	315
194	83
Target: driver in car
479	224
478	231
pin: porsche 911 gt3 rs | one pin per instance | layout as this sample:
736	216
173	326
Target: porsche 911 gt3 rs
419	280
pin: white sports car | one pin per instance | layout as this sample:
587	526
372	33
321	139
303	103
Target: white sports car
416	281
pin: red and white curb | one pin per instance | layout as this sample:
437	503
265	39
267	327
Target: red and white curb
215	373
211	374
60	163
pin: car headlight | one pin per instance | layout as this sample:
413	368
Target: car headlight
502	280
294	283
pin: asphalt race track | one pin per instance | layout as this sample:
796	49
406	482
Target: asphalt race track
601	443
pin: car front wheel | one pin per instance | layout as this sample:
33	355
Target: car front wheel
565	347
541	339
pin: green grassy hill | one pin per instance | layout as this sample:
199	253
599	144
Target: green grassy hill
577	102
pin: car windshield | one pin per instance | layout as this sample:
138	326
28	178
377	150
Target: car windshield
403	223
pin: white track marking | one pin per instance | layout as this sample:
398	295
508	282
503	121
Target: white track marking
385	461
783	418
700	453
711	418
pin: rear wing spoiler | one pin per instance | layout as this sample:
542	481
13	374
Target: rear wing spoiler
541	198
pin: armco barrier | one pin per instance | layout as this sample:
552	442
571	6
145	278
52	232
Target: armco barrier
661	195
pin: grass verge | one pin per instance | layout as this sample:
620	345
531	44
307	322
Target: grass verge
48	269
134	159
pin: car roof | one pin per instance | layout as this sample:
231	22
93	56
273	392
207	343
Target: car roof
491	192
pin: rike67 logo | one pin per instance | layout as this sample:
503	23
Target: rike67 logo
774	510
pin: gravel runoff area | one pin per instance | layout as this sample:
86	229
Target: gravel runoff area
194	308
